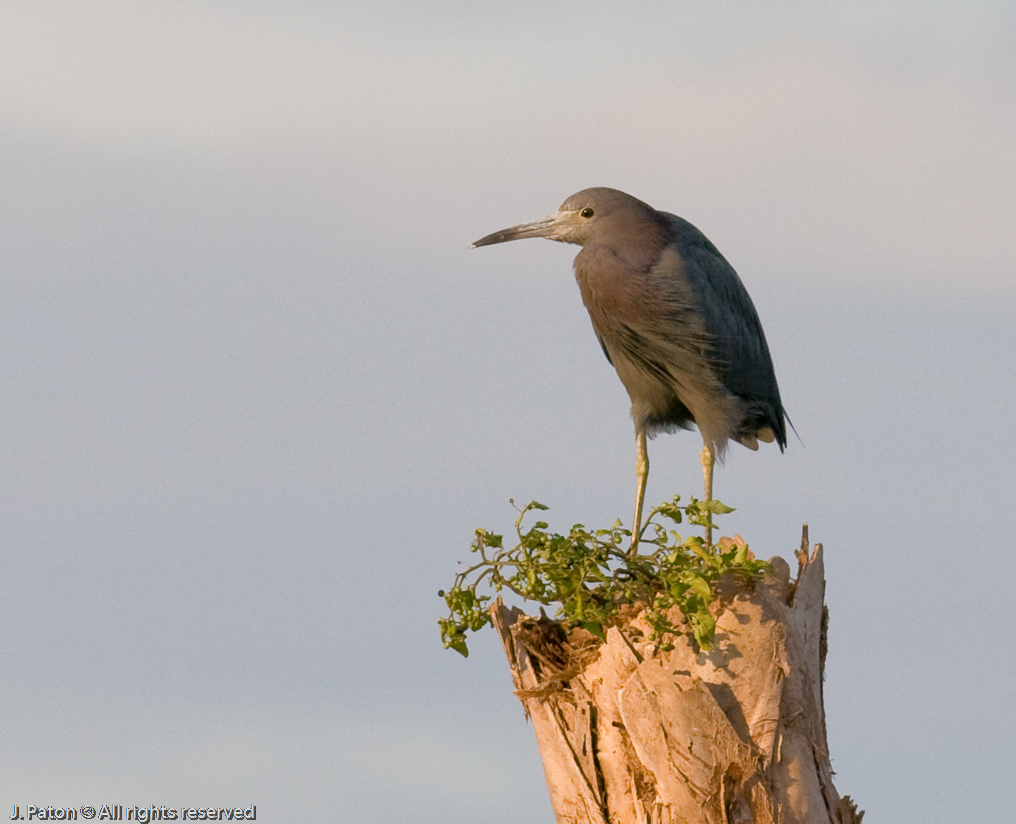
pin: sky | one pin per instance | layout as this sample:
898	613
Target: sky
258	392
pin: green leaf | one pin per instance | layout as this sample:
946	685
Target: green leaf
671	511
701	586
703	628
587	574
697	545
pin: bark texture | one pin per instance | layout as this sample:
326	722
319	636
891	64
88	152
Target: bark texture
735	735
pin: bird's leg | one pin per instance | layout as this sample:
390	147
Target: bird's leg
708	459
642	473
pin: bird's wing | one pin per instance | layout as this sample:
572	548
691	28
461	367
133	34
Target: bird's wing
738	344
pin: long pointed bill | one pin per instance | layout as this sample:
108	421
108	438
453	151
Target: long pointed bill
544	227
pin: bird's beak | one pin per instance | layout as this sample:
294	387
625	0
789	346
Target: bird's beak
544	227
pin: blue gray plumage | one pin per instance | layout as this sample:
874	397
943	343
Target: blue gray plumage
675	321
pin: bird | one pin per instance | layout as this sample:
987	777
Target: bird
675	321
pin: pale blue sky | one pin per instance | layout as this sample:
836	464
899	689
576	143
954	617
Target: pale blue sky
258	392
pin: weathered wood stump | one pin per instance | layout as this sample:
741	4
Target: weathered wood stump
629	733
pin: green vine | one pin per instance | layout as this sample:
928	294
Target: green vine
589	574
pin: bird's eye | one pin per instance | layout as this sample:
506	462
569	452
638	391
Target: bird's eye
587	212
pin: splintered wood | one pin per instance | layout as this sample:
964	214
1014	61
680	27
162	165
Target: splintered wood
736	735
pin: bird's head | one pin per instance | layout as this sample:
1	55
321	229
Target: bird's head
590	215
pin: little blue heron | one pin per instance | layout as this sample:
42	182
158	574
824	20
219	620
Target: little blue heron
674	320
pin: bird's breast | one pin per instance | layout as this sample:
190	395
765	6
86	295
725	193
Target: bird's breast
611	286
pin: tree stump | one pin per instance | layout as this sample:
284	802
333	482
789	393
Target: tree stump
734	735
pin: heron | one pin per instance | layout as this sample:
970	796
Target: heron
675	321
